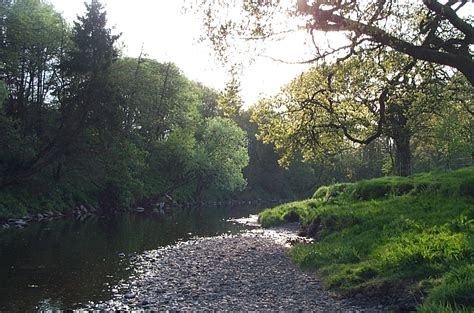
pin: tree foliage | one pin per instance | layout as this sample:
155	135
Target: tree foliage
230	101
440	33
333	108
79	121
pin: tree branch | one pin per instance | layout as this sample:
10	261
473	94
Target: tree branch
448	13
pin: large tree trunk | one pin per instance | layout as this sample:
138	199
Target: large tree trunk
399	131
402	154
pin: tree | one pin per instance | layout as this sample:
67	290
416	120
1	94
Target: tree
230	101
440	33
33	35
447	139
87	69
85	99
3	94
205	164
333	108
154	97
225	146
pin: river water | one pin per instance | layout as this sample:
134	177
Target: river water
65	263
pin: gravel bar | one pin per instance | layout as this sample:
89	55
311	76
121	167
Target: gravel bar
246	272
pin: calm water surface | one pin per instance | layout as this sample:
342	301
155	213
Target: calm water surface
66	263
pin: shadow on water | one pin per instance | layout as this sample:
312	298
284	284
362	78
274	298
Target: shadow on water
61	264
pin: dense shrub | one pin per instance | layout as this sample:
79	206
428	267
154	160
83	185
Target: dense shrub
291	217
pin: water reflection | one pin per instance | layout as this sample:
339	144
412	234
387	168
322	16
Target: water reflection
61	264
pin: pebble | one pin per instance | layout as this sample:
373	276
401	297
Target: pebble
249	271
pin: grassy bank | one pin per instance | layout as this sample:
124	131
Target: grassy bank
408	236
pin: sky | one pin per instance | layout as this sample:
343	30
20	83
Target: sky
167	34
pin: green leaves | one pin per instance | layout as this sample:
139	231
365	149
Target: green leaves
325	109
230	101
210	161
226	148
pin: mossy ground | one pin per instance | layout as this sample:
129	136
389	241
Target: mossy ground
416	232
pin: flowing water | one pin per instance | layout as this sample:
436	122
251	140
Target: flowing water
65	263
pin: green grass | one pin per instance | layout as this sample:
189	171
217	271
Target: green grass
412	234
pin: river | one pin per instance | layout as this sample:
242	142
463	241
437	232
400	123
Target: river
65	263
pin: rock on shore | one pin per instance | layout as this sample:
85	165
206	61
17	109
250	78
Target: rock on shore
250	271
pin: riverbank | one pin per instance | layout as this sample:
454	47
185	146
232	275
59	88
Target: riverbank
160	208
408	237
248	271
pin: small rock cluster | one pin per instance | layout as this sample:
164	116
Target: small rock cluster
25	220
80	212
246	272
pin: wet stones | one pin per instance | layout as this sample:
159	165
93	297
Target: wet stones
250	271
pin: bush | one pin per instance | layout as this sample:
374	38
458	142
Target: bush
441	308
338	190
330	222
288	212
11	205
427	187
435	246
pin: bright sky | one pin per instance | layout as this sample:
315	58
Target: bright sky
168	35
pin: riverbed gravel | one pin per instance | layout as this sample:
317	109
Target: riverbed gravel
245	272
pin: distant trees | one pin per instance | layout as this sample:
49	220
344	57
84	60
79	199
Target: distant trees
230	101
80	124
